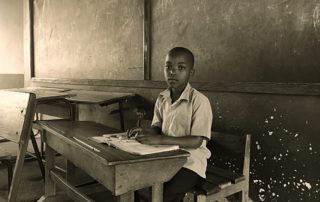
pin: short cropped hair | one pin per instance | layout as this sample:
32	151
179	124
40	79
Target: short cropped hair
182	50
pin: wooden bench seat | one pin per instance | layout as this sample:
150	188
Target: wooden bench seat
227	171
217	179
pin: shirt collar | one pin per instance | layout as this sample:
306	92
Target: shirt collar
185	95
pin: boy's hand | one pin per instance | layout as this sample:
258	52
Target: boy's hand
133	133
145	135
146	138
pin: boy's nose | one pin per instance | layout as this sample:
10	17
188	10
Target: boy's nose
172	71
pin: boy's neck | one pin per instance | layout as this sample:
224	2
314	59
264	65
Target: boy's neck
176	93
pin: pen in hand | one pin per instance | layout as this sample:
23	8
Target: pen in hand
133	133
87	145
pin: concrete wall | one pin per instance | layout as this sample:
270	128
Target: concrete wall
11	44
273	41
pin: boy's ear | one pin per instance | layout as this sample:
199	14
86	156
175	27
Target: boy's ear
192	71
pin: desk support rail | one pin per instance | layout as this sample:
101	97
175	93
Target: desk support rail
71	191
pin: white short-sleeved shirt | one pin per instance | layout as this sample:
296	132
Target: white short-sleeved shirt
190	115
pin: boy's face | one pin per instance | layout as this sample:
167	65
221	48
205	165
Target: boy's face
177	71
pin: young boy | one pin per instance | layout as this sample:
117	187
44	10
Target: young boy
182	116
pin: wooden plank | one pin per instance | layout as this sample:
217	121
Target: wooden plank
62	196
44	95
221	182
308	89
235	188
234	177
37	154
31	28
13	108
12	99
59	109
121	115
127	197
246	162
71	191
66	130
71	173
135	176
208	188
50	188
59	197
76	176
96	97
147	40
28	42
157	192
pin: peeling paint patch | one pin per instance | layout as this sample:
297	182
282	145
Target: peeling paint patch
262	197
308	185
258	145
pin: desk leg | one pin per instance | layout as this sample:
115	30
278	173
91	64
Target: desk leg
121	115
13	193
74	112
36	151
128	197
71	169
50	188
157	192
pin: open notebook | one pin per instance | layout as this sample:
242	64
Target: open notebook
120	141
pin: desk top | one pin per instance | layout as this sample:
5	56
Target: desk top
83	130
46	94
76	96
98	97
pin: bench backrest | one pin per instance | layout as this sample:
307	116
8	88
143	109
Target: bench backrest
230	151
16	114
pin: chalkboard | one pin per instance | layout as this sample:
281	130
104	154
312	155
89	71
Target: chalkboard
247	40
88	39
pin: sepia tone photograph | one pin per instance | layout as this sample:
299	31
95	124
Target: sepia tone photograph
159	100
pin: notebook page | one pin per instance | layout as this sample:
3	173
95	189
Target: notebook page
133	146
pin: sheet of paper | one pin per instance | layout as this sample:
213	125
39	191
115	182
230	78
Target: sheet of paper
120	141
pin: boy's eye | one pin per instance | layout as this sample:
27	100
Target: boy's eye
180	67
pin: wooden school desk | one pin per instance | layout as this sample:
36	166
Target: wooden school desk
100	98
94	98
119	171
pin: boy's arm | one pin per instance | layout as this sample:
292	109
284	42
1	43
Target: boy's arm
191	142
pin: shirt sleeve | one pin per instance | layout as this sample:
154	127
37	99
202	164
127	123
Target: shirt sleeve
157	114
201	118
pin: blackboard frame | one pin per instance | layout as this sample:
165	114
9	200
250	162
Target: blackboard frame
312	89
29	24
